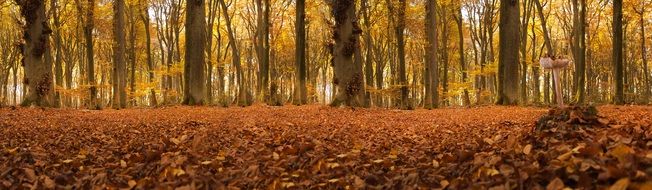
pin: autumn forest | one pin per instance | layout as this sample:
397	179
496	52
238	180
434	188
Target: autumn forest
325	94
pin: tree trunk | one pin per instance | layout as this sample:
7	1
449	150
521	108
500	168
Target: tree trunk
195	65
38	75
646	71
243	99
617	52
119	66
508	56
300	92
347	75
150	64
460	31
432	90
58	68
368	67
399	30
132	55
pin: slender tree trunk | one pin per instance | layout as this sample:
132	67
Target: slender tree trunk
243	99
508	56
368	66
646	70
119	66
399	30
444	56
38	75
463	65
150	64
132	55
300	92
617	53
58	68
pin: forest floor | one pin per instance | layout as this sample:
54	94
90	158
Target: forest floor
308	147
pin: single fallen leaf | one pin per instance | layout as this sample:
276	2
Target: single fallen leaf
565	156
275	156
527	149
48	183
555	184
435	163
621	184
30	174
123	164
206	162
132	183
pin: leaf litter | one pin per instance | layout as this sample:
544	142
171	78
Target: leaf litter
316	147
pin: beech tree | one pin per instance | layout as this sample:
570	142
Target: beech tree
38	74
347	73
508	57
195	66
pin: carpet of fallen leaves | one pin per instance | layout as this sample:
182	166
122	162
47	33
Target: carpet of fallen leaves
317	147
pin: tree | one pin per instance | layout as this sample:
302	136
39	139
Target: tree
460	31
617	52
144	16
195	66
38	75
399	30
58	68
119	65
300	92
508	57
579	49
347	75
641	13
243	98
432	74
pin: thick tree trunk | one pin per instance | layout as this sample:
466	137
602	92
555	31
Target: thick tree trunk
617	53
347	75
508	56
300	92
119	66
432	74
195	65
38	75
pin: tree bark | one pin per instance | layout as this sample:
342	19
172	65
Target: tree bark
617	52
150	64
646	70
119	66
58	67
38	75
347	75
195	65
300	92
463	66
432	90
243	99
508	56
